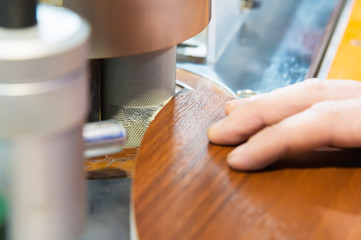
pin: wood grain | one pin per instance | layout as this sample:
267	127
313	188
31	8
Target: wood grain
183	188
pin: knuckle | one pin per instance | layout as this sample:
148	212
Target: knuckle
331	109
235	104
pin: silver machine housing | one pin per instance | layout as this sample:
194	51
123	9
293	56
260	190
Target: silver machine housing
44	99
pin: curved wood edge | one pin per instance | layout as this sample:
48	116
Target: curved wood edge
183	188
203	84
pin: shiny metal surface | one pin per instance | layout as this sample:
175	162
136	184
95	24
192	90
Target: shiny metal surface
103	138
40	45
134	88
108	210
129	27
246	4
273	48
44	102
47	186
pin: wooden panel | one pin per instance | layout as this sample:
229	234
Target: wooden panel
183	188
347	61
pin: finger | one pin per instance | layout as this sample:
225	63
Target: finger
336	123
311	87
247	117
233	104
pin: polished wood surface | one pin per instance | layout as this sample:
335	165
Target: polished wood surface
122	164
346	64
183	188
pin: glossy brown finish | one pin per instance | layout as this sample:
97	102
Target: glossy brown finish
129	27
183	188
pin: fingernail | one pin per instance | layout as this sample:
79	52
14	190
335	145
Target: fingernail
237	158
217	125
213	131
235	101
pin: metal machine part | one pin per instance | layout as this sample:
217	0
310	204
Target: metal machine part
246	93
44	102
135	87
134	44
274	46
130	27
246	4
103	138
22	17
209	45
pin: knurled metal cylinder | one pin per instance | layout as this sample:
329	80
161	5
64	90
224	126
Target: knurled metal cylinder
133	89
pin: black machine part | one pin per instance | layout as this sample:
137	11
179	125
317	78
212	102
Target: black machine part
17	13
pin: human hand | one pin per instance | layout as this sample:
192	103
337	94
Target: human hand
296	118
